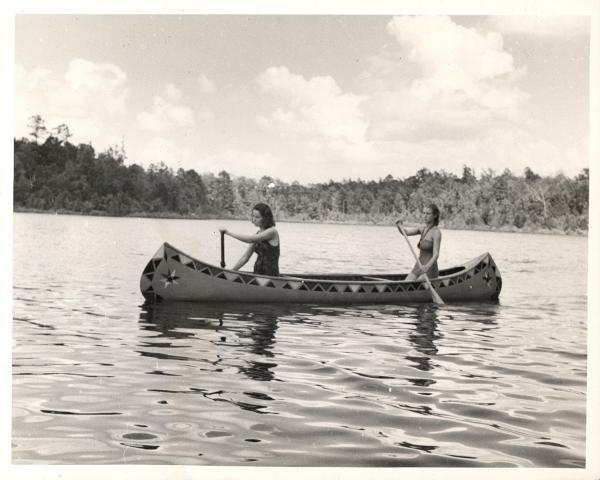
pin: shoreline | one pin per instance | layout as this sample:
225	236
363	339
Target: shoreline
176	216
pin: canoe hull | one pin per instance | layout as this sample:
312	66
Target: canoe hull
171	275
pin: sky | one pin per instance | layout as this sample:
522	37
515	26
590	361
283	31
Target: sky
313	98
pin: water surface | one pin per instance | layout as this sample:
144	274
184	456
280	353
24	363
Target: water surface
99	377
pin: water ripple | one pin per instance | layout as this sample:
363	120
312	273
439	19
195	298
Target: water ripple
99	378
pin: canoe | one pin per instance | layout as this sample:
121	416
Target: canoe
172	275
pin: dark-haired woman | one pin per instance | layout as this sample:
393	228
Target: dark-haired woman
429	244
265	242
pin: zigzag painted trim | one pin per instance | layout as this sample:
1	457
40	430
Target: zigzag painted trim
486	265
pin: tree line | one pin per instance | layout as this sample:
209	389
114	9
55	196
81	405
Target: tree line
52	174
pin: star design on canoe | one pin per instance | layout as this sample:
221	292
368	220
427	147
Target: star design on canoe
169	278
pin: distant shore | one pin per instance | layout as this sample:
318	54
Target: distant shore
350	221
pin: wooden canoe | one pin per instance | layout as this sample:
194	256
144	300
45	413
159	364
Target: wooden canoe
172	275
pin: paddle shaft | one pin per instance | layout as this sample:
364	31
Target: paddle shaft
434	295
222	249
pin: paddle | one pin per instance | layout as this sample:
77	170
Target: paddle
222	249
434	295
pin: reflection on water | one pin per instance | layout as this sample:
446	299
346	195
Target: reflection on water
424	336
404	385
255	331
100	379
303	385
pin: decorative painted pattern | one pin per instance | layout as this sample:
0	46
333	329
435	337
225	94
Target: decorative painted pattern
169	277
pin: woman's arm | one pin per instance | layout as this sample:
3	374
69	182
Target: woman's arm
437	241
245	257
407	230
267	234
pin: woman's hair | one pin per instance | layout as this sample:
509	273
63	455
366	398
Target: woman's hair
436	213
267	215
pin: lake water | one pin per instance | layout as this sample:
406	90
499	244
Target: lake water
101	378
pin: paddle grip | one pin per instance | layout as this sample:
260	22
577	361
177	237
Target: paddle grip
222	249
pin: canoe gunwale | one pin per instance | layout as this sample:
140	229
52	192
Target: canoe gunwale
201	281
337	277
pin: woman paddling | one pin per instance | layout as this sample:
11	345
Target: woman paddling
265	242
429	244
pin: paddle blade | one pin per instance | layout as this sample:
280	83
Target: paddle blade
435	296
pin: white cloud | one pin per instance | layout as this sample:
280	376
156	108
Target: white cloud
205	114
318	109
441	80
519	150
157	150
169	113
206	85
88	97
166	113
576	160
500	149
87	79
30	80
240	162
172	93
539	25
83	74
289	122
449	53
160	149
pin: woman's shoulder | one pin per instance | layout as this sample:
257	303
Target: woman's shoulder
272	236
269	233
432	230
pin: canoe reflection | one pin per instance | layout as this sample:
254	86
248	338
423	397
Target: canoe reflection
243	336
251	328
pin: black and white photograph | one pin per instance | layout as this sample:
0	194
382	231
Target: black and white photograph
258	237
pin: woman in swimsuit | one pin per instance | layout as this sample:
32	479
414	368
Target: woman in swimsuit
265	242
429	244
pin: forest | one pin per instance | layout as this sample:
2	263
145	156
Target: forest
53	175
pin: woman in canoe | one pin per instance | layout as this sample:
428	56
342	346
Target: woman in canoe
429	244
265	242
